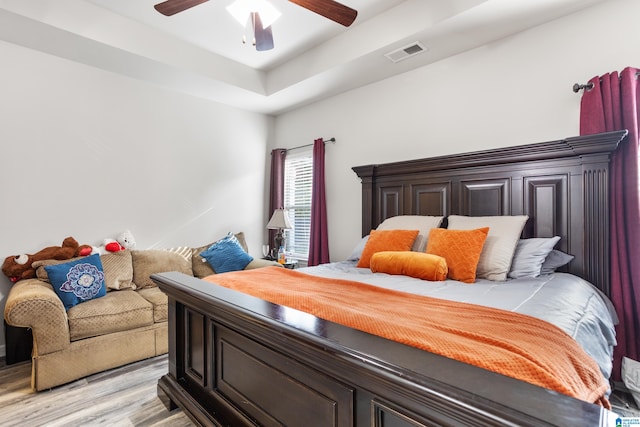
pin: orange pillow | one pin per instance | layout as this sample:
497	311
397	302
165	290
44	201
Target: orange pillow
386	240
461	249
414	264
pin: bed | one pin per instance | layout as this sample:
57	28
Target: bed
237	359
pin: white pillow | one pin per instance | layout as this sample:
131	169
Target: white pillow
497	253
529	256
422	223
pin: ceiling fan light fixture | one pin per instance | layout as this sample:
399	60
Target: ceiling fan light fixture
241	10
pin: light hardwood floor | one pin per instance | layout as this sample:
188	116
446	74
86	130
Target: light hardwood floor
125	396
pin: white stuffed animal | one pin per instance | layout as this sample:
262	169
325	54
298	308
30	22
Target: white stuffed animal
126	240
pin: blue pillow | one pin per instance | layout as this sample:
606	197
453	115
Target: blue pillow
226	255
78	281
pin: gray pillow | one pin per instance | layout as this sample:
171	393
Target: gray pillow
530	255
357	251
554	260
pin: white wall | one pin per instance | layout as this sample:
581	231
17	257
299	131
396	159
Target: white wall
88	153
511	92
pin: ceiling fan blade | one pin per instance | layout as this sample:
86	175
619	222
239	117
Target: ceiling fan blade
264	36
330	9
171	7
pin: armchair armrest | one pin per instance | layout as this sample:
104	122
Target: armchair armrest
33	304
259	263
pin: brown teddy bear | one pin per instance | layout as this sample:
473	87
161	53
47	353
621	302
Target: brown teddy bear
18	267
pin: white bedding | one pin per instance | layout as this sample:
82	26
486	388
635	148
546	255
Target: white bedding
572	304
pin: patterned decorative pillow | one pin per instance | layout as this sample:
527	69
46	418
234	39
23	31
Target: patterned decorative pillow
498	250
460	248
386	240
413	264
77	281
226	255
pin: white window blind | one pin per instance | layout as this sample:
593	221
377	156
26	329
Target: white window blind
298	175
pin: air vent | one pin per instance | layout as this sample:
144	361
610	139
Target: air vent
406	52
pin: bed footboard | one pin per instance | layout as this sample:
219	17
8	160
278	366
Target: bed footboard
236	360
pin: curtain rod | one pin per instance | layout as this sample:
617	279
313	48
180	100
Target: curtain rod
332	140
577	87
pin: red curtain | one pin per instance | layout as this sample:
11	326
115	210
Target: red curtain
612	104
319	241
276	187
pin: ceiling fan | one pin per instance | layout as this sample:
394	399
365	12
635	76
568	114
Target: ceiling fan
263	37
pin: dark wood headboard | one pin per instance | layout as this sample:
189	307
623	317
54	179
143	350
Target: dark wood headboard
563	186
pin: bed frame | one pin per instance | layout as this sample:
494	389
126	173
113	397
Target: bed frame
236	360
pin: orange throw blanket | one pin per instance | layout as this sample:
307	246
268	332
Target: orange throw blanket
508	343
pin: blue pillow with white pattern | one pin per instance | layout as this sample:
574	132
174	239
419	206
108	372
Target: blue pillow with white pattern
226	255
78	281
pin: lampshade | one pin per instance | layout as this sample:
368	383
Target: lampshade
242	9
279	219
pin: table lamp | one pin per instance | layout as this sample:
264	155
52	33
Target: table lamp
279	221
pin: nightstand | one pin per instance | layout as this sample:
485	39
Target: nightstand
291	264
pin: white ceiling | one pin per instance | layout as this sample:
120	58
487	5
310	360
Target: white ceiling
211	27
199	51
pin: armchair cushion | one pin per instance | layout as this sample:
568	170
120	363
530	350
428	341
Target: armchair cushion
117	267
201	268
117	311
152	261
159	301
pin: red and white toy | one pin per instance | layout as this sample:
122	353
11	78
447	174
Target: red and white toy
124	241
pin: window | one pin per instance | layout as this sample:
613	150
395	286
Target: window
298	174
